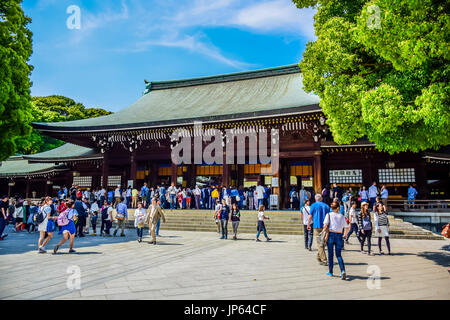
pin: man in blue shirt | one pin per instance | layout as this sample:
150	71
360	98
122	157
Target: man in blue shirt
412	193
317	215
384	195
122	211
373	192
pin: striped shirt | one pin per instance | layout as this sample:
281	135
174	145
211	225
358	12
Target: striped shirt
381	219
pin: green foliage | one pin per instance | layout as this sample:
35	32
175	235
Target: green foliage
15	51
53	109
381	69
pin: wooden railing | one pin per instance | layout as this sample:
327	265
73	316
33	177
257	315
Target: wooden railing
420	205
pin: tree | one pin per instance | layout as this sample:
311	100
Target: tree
381	69
15	51
53	109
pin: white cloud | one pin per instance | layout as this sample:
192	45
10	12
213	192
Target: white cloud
193	44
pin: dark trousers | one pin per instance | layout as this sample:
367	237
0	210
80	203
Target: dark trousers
102	226
197	202
2	226
140	231
353	228
224	225
108	226
308	236
80	225
94	227
388	244
366	235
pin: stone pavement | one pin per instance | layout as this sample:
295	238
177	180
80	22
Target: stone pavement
198	265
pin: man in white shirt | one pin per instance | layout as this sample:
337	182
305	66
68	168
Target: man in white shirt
259	194
197	194
117	195
373	192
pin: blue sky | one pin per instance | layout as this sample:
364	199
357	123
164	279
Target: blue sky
122	42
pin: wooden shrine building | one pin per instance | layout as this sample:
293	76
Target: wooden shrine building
133	146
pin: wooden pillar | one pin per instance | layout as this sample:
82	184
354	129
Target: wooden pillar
105	171
27	190
154	174
318	172
133	168
174	173
225	171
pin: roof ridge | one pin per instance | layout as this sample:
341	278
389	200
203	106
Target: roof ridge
236	76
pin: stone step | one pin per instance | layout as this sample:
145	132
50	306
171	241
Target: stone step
281	222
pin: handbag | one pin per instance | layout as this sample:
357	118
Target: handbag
446	230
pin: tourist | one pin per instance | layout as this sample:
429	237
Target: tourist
158	202
107	219
152	217
18	215
117	195
307	230
250	196
31	225
110	195
46	226
335	224
377	202
95	210
235	219
217	211
215	196
81	217
326	194
144	191
261	225
197	195
382	227
373	192
224	216
121	217
241	197
384	195
337	192
87	209
173	196
181	198
293	197
188	193
134	196
364	195
139	215
163	196
68	230
259	194
4	204
346	200
317	214
101	196
303	196
352	218
412	193
129	196
365	227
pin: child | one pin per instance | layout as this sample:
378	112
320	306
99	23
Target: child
139	216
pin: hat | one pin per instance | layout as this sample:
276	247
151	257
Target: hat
364	203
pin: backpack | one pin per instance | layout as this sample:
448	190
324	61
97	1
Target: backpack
39	217
63	219
105	213
345	198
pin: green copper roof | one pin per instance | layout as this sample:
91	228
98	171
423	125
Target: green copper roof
243	95
64	153
17	166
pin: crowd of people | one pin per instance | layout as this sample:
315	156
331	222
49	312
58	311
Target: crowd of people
174	197
331	217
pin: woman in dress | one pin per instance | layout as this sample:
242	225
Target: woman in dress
382	227
68	230
47	226
139	216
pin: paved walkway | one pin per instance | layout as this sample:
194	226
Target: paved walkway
196	265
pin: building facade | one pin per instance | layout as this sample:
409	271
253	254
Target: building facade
135	145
